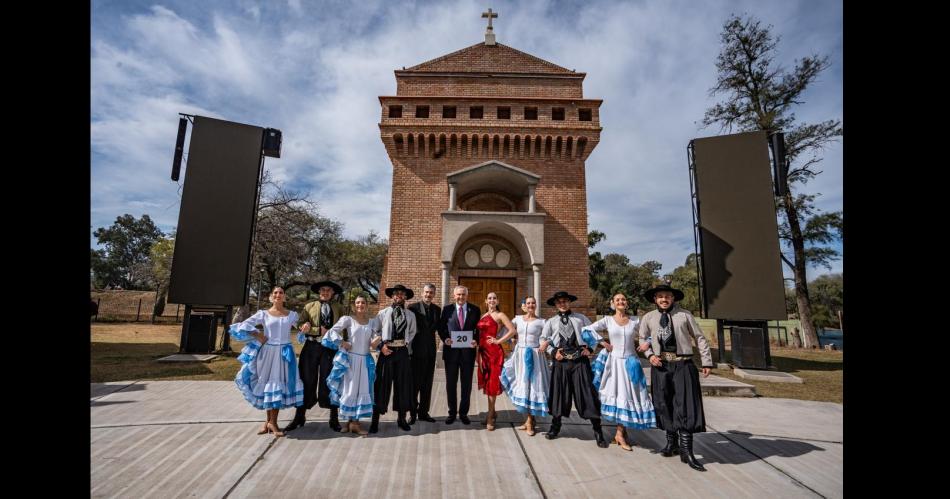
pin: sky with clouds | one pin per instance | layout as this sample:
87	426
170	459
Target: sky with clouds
315	69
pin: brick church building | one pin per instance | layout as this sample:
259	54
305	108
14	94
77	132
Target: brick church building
488	146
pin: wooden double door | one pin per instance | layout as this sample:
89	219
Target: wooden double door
478	289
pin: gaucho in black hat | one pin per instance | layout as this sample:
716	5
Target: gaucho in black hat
316	360
571	377
393	369
677	397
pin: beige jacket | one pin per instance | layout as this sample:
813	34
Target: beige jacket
685	328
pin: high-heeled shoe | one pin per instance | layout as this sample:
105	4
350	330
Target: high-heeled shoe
622	443
264	430
356	429
274	429
347	428
530	429
490	422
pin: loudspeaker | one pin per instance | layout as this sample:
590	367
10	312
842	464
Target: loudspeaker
748	347
779	166
201	336
272	141
179	148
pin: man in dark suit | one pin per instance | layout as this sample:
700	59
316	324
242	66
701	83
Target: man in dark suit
459	316
423	353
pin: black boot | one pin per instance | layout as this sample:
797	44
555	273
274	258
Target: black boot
672	447
555	428
599	434
686	451
335	419
300	417
374	424
401	421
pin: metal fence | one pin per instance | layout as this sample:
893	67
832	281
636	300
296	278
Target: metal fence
132	306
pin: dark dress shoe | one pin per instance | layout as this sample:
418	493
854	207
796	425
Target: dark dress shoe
427	418
403	424
551	435
412	420
297	423
601	441
450	420
465	420
374	423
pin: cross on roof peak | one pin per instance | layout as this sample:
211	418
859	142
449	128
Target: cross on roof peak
489	32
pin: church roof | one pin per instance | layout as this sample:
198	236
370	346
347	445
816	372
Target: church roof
482	58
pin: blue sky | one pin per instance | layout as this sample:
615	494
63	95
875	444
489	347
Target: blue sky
314	70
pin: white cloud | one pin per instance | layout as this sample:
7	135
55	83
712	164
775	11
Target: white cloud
315	69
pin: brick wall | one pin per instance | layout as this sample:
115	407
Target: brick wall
424	150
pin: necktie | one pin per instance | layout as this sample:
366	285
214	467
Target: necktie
325	319
461	318
399	323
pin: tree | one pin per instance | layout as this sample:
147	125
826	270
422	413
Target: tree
359	264
613	273
595	264
160	257
760	96
293	244
686	279
125	259
827	293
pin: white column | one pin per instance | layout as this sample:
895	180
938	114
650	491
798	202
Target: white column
531	198
445	283
537	282
451	197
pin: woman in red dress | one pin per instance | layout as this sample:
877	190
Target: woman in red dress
491	357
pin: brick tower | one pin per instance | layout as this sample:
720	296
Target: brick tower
488	146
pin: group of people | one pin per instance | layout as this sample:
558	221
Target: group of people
336	370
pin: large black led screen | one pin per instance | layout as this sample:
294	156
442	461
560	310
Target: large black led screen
216	221
739	246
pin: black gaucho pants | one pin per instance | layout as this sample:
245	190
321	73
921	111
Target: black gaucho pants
677	396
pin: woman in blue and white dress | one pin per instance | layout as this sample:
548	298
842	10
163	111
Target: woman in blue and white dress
525	376
268	378
618	376
351	379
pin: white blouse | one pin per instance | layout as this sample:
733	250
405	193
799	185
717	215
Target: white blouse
529	333
623	338
276	329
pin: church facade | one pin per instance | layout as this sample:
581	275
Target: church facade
488	146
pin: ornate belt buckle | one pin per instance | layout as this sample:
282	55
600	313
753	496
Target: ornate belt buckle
571	353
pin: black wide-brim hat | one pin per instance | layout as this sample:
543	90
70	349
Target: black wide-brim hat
650	293
336	287
400	287
561	294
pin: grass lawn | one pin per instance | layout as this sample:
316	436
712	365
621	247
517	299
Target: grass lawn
128	351
821	370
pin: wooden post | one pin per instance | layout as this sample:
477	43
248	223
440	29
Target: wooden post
139	311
